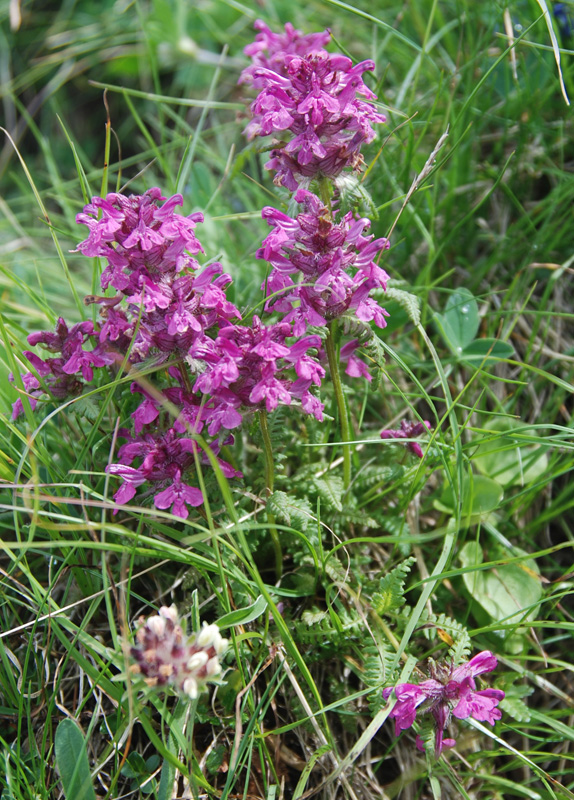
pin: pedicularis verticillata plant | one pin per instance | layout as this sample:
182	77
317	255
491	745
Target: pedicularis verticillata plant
201	368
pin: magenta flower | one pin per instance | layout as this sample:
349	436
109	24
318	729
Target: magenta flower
65	375
168	302
140	239
332	263
409	430
164	458
251	367
271	50
315	95
450	691
164	655
356	368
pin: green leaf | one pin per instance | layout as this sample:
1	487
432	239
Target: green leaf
390	595
215	758
508	588
330	489
410	303
480	496
486	351
505	460
459	323
516	708
86	407
241	616
292	511
72	762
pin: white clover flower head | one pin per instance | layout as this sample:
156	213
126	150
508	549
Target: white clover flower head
164	655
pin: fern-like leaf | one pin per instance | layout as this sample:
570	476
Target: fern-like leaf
390	595
452	633
410	303
292	511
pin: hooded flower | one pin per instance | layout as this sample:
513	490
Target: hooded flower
450	691
272	50
63	376
164	457
251	366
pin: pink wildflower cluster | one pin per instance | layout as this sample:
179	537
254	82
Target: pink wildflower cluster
450	691
251	366
333	262
167	307
64	375
164	655
170	302
316	97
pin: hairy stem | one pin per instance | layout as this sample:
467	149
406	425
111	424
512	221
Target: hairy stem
341	403
269	481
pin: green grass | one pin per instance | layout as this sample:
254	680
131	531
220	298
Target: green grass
299	708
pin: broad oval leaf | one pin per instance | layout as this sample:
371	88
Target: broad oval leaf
486	351
506	589
72	762
460	320
480	496
505	460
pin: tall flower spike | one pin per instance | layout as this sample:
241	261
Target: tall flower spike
450	691
316	96
164	655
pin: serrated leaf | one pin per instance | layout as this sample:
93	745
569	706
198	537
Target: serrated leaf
313	616
86	407
352	326
516	708
330	489
72	762
335	570
353	196
410	303
296	512
390	594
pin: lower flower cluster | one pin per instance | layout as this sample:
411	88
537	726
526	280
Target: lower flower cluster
211	368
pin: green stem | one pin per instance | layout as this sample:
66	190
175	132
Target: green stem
325	192
341	403
269	481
